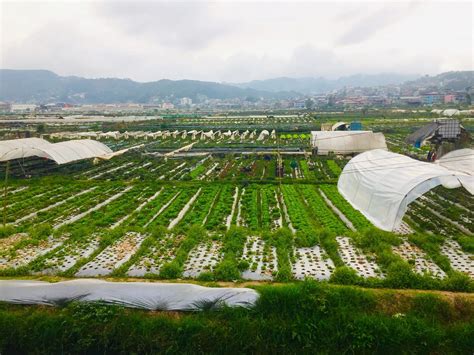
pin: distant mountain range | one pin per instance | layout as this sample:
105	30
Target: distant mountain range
40	86
321	85
453	80
43	86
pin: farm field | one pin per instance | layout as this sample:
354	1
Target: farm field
225	218
234	211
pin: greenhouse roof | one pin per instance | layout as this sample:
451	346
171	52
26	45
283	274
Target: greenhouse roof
61	153
347	142
381	184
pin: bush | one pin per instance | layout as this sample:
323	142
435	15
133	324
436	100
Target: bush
171	270
227	270
457	281
6	231
345	275
40	231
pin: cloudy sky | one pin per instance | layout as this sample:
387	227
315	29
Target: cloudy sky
235	41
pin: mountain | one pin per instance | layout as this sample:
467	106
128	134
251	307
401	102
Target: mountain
43	86
321	85
453	80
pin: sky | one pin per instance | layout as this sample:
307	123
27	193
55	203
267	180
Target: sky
235	41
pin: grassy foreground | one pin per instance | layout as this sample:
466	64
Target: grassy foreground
305	317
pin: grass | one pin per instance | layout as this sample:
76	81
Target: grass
307	317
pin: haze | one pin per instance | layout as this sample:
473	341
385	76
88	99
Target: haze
235	41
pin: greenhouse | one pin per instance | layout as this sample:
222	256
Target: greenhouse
61	153
459	160
346	142
382	184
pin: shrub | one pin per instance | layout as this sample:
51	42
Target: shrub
457	281
345	275
171	270
40	231
6	231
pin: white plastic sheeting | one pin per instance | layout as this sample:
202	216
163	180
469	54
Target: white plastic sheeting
346	142
22	148
381	184
144	295
459	160
61	153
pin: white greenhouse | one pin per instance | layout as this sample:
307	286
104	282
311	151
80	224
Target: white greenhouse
346	142
381	184
62	152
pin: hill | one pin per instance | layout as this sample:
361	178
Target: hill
321	85
454	80
42	86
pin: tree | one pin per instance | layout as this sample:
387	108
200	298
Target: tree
309	103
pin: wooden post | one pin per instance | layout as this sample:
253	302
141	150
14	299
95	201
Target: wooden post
5	194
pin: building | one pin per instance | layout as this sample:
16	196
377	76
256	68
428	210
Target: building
438	132
450	98
167	106
186	101
432	98
299	104
5	107
411	100
23	108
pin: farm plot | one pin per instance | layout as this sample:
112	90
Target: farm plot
312	262
202	258
356	218
160	252
460	260
221	210
16	256
355	259
202	206
142	217
179	203
113	256
89	207
59	213
450	213
424	220
109	171
421	263
262	260
67	255
249	208
324	216
298	213
23	208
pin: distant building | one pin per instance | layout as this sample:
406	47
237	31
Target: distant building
185	101
411	100
5	107
300	104
449	98
432	98
23	108
167	105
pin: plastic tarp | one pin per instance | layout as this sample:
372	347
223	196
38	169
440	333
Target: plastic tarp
459	160
144	295
346	142
381	184
61	153
22	148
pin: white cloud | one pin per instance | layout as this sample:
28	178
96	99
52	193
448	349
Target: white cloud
235	41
